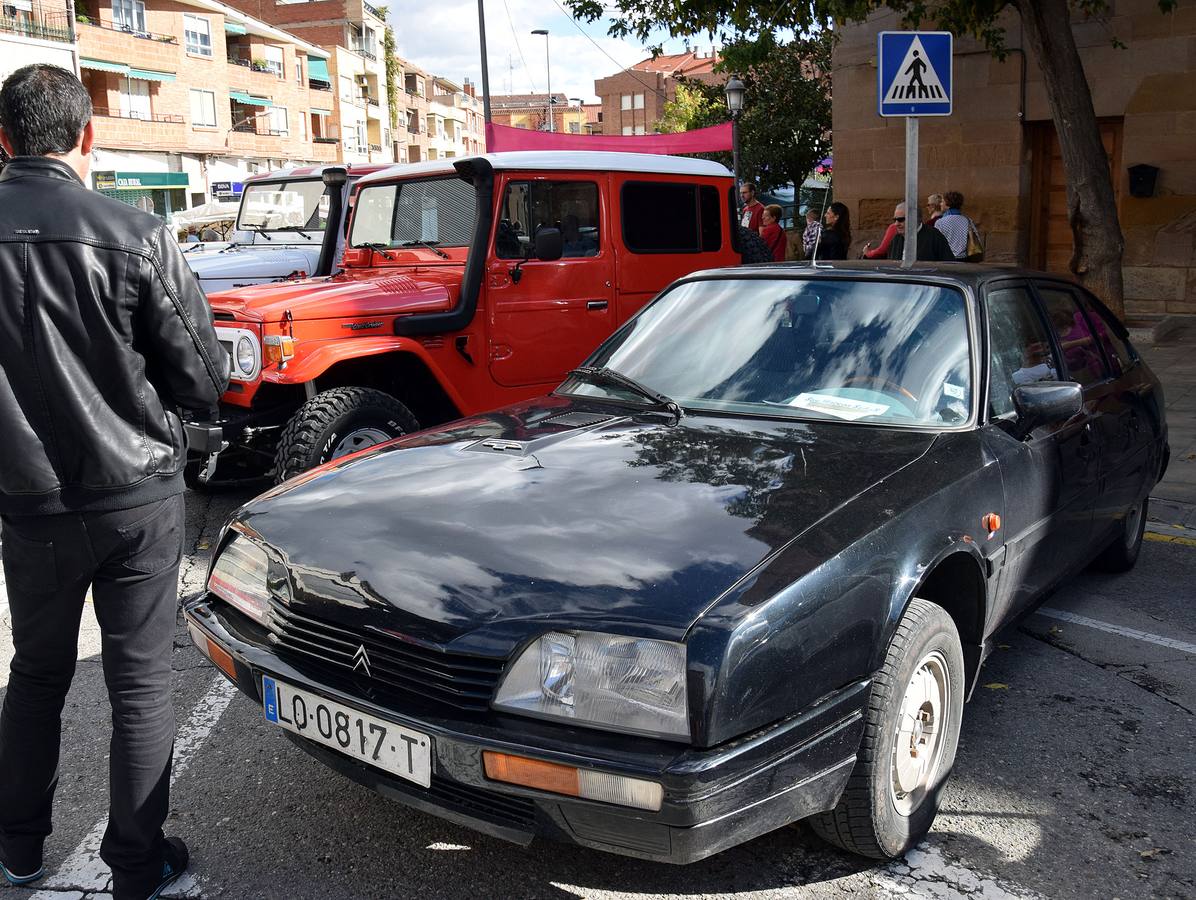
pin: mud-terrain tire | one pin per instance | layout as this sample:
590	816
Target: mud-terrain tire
867	819
1123	550
752	248
335	423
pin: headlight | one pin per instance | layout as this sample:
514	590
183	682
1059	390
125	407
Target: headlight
246	355
625	684
239	577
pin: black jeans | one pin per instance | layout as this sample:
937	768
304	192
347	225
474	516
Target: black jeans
130	560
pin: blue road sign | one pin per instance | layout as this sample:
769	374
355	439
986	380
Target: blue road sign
914	73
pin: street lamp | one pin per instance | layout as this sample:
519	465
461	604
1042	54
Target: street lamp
735	91
548	67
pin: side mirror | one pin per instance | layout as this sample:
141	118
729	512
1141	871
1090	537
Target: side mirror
1046	402
549	244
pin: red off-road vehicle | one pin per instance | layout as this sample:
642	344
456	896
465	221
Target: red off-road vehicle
466	284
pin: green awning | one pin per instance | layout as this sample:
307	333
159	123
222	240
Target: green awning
139	181
317	70
151	75
249	99
321	112
100	65
234	28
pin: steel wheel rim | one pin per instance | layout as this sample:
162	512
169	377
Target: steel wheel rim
358	439
918	744
1132	521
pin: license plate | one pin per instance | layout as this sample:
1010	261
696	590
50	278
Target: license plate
397	750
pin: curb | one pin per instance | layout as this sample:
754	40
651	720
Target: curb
1157	332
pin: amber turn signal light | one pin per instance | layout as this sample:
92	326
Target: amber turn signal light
220	657
572	782
991	523
277	349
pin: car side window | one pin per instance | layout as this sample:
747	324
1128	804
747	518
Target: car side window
1080	350
665	217
571	206
1117	350
1019	348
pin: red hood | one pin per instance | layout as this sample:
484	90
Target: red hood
351	294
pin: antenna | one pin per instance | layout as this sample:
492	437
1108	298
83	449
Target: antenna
818	240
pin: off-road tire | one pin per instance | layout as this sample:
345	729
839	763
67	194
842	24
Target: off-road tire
320	423
752	248
866	820
1122	552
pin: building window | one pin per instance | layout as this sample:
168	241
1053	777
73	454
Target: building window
197	33
277	119
625	101
273	57
628	130
299	70
362	141
203	108
639	101
135	99
346	88
303	126
129	15
575	127
639	129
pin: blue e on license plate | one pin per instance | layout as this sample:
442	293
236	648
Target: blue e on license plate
400	751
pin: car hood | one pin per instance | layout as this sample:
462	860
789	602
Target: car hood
240	261
518	516
344	296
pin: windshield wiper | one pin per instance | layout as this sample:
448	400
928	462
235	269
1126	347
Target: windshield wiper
260	229
603	375
431	245
379	247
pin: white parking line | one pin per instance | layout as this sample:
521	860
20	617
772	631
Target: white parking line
1160	640
83	869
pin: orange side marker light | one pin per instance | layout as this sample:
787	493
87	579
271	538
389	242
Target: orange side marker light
991	523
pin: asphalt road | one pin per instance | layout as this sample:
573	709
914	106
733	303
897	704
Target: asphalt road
1074	779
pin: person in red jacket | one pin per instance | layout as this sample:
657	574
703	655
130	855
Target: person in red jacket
882	250
753	209
772	232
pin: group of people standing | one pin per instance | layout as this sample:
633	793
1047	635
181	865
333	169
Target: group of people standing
945	234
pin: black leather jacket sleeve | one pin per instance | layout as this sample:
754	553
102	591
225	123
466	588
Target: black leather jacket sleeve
191	368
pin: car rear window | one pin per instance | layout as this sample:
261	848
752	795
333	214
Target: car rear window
663	217
1081	354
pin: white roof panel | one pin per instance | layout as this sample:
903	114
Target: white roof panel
563	161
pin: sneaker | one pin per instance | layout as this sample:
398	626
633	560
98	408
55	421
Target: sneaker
13	878
173	866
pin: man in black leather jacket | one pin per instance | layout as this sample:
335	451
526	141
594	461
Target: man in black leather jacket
104	335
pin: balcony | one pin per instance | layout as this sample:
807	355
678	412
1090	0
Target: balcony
125	29
325	140
239	57
363	52
47	25
374	11
137	117
375	148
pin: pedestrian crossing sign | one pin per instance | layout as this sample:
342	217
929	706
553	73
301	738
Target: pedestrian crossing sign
914	73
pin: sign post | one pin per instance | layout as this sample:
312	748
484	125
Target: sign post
914	79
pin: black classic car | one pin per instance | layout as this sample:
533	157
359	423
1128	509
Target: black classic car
741	568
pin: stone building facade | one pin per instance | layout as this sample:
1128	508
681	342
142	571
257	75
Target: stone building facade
1001	151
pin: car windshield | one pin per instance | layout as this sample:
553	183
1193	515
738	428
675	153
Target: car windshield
433	211
877	352
284	206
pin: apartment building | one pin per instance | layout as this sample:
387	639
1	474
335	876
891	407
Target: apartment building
633	100
530	111
192	96
352	32
456	126
36	31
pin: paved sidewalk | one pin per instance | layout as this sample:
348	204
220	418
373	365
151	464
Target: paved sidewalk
1173	501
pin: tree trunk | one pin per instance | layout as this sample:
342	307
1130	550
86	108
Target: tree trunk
1097	242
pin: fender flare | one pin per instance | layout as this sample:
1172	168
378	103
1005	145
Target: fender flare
320	356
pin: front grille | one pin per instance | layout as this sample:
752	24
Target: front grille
501	809
221	316
395	665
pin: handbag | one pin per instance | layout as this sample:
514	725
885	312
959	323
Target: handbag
975	251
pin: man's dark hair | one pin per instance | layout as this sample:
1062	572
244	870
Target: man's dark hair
953	199
43	110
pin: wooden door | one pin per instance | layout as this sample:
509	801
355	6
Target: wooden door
1050	235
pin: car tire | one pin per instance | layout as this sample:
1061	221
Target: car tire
875	817
1123	550
752	248
335	423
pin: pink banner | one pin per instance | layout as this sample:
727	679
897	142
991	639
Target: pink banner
703	140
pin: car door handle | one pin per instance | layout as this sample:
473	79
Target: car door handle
596	304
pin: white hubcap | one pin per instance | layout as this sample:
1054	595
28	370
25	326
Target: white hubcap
921	723
358	440
1132	521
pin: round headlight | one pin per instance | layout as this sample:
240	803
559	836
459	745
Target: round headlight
245	355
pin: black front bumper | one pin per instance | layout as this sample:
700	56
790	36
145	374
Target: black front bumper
227	425
713	798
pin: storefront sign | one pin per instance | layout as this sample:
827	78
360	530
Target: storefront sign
227	188
140	181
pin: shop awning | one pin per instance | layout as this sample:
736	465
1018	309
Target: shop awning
321	112
249	99
234	28
100	65
150	75
139	181
317	70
